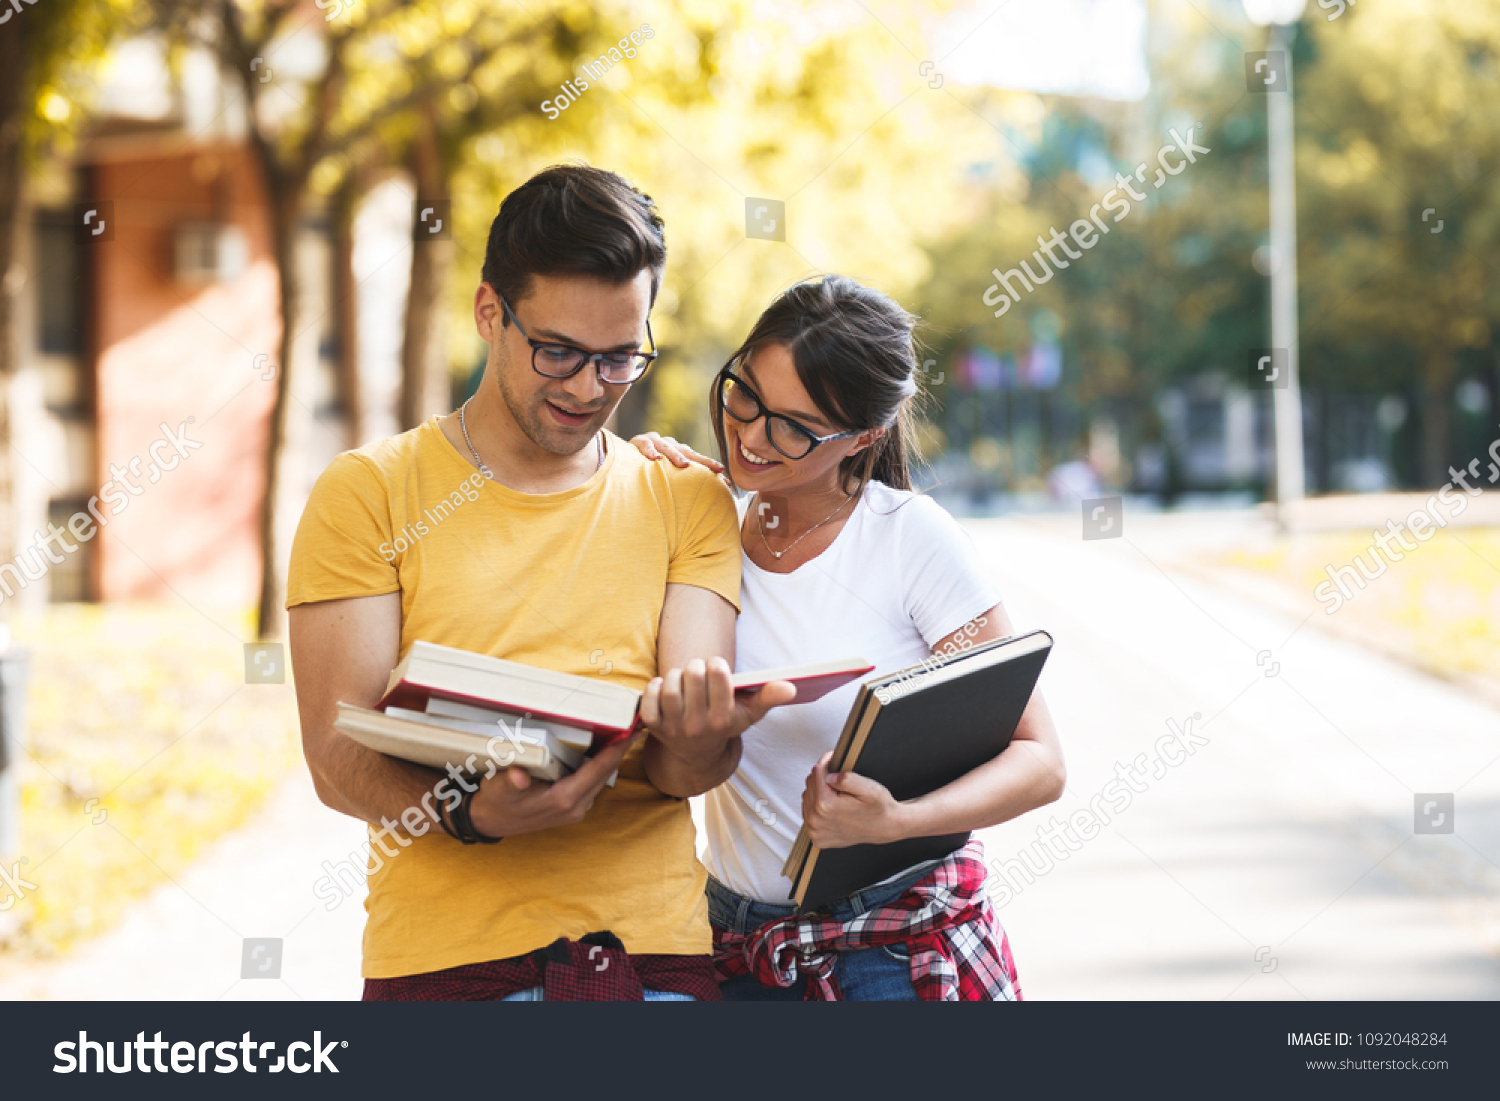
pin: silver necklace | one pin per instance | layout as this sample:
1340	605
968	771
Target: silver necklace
464	428
760	523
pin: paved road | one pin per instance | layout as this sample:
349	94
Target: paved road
1277	861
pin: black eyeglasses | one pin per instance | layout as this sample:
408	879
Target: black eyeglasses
565	361
787	436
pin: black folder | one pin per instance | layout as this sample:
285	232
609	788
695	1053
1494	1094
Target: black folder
915	731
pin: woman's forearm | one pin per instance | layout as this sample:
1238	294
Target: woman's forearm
1029	774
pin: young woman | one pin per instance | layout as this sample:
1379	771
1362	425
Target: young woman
813	415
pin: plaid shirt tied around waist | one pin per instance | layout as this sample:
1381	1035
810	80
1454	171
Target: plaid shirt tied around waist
959	953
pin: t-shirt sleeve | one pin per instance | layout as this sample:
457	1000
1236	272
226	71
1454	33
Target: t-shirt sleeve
706	552
946	584
337	551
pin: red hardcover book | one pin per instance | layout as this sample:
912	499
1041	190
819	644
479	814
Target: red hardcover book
610	711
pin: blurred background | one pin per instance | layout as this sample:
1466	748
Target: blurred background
238	238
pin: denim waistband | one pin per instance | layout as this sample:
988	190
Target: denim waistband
733	912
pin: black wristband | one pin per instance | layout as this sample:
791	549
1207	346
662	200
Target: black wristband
463	820
443	821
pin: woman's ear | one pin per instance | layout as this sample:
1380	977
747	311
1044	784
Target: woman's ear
865	439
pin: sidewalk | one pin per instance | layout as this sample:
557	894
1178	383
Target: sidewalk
185	940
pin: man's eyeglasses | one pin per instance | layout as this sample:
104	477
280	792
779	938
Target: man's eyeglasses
565	361
786	435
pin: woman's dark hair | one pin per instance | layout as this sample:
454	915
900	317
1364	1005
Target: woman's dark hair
857	360
573	220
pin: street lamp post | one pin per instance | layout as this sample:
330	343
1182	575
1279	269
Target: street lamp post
1280	15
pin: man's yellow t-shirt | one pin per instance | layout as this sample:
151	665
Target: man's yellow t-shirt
572	581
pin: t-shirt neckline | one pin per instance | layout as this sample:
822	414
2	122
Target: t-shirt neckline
516	496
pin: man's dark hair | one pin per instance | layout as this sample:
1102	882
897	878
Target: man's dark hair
573	220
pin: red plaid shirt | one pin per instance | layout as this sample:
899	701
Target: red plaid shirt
959	953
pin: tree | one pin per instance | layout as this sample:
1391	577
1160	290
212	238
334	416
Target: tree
46	55
329	128
1401	225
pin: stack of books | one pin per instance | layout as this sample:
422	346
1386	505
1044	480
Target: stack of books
444	706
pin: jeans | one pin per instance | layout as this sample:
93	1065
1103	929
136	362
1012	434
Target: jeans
881	974
535	994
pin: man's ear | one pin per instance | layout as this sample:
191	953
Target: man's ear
487	313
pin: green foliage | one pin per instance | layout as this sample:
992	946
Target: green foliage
1397	111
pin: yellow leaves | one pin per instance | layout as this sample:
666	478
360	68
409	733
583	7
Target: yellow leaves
450	59
1377	87
413	36
145	711
490	149
456	16
53	107
327	175
677	401
462	97
1440	603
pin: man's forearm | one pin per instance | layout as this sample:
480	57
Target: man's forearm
683	777
357	781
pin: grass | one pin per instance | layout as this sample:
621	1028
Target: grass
1440	604
145	710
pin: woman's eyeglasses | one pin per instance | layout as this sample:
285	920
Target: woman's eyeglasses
787	436
565	361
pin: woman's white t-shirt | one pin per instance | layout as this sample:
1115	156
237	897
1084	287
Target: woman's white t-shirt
900	577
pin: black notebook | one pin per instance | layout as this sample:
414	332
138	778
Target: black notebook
915	731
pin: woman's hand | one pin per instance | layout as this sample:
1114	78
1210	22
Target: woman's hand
846	809
655	447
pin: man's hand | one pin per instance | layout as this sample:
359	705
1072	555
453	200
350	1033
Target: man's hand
513	802
696	715
846	809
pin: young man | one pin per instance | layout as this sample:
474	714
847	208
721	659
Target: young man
574	554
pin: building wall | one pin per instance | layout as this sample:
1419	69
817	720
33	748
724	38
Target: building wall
183	356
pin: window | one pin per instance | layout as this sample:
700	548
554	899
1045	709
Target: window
68	580
59	290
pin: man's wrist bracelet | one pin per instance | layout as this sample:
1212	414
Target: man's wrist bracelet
442	817
464	823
